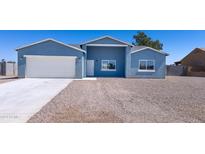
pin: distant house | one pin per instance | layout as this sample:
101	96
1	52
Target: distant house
8	68
102	57
194	62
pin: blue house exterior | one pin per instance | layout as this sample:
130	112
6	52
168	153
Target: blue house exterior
158	58
50	48
101	57
107	53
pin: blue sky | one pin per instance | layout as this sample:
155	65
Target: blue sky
176	43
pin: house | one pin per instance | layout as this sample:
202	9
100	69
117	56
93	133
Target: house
102	57
194	62
8	68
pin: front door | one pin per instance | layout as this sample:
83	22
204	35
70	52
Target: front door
90	68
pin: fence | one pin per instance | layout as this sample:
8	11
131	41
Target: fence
8	68
196	71
179	70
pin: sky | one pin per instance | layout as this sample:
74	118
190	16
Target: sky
177	43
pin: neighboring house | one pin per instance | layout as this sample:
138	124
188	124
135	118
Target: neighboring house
101	57
8	68
194	62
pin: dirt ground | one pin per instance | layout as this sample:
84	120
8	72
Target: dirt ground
174	99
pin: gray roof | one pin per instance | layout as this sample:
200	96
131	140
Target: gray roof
53	40
107	36
75	45
137	48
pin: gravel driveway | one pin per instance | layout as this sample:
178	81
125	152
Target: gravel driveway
174	99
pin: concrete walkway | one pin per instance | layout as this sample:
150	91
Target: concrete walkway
21	99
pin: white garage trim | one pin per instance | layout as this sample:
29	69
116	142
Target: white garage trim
48	56
50	66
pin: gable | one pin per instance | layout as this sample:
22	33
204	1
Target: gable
106	40
194	58
43	46
145	48
49	44
49	48
148	54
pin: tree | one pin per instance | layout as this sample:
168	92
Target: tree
142	39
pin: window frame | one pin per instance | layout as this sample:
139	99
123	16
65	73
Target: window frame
103	69
146	70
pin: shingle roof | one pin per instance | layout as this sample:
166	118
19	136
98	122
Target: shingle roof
75	45
53	40
137	48
201	49
107	36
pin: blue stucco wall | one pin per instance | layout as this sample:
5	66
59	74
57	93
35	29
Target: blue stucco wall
84	47
107	53
50	48
160	64
126	63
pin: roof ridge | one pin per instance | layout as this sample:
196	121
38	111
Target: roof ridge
50	39
202	48
106	36
140	48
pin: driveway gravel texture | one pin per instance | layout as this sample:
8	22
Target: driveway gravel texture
174	99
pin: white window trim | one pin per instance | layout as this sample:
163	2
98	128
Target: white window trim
140	70
102	69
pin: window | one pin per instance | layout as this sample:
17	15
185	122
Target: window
146	66
108	65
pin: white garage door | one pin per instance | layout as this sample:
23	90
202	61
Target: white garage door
50	66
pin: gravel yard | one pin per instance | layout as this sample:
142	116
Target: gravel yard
174	99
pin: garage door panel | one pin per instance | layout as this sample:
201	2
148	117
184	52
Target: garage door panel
49	66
